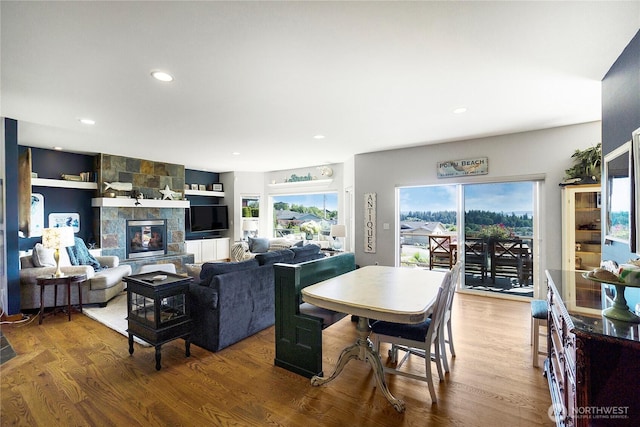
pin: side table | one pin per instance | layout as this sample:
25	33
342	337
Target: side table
158	309
69	280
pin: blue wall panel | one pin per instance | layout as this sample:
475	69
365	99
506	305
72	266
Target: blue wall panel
620	117
11	211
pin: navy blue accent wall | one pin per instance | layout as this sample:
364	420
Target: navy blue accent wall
51	164
621	98
200	177
11	218
620	117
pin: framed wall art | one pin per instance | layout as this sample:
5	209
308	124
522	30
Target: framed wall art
36	222
65	220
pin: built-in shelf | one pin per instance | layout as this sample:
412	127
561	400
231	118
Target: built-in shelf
311	182
61	183
117	202
204	193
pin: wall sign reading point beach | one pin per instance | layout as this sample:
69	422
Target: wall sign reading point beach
451	168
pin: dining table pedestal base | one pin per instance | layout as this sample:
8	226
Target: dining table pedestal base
362	350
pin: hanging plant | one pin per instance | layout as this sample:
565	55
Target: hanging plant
586	168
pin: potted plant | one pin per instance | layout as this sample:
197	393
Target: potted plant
310	228
586	168
496	232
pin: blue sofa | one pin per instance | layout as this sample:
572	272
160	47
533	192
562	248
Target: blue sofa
230	301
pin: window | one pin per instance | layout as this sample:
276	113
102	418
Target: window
291	211
250	216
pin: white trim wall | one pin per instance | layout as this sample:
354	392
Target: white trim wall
544	153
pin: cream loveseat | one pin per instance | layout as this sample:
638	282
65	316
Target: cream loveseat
100	286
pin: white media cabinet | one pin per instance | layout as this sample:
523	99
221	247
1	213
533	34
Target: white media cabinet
204	250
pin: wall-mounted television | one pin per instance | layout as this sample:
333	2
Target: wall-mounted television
207	218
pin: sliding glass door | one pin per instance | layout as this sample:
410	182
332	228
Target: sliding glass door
498	237
490	227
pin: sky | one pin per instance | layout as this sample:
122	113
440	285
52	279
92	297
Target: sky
327	200
496	197
621	194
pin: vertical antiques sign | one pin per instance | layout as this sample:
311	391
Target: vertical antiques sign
370	223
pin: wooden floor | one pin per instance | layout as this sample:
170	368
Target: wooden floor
80	373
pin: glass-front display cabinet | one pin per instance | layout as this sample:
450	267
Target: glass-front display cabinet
581	242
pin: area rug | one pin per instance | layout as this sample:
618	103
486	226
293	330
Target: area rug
113	316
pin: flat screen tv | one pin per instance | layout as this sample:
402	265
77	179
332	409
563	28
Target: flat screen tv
207	218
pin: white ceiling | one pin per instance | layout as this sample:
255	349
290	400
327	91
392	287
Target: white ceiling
262	78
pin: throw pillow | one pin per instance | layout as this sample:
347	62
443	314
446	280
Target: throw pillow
238	251
43	257
258	245
210	269
305	251
284	255
279	244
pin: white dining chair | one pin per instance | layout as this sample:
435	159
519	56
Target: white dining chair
445	326
416	339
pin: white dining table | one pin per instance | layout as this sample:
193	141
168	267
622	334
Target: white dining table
393	294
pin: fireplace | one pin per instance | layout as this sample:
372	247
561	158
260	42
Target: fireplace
146	238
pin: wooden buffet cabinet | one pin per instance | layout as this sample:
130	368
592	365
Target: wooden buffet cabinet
593	364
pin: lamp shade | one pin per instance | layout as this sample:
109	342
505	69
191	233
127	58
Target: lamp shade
338	230
56	238
249	226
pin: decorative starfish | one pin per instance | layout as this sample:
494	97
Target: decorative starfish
167	193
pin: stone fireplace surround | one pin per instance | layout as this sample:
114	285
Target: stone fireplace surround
147	177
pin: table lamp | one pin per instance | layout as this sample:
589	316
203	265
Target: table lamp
338	230
250	227
56	238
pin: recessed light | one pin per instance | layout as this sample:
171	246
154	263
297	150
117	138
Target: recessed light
87	121
162	76
319	136
235	153
57	148
460	110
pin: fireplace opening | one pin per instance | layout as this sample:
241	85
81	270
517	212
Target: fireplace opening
146	238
